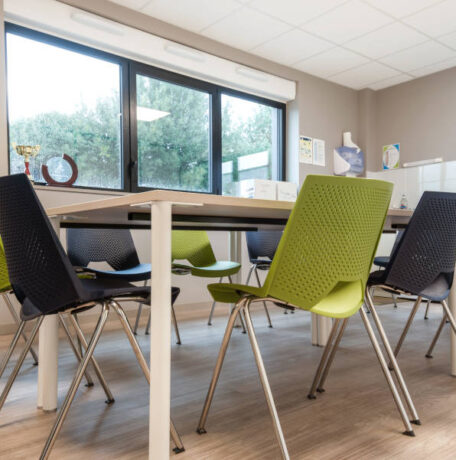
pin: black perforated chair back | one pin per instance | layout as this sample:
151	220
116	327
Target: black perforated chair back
114	246
424	258
41	275
263	243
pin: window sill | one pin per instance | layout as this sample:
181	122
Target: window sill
89	191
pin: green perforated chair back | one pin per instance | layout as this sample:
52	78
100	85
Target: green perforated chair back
330	239
4	277
193	246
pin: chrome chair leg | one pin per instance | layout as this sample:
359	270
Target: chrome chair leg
427	310
138	314
96	367
264	303
148	323
449	315
250	274
407	327
218	366
176	327
320	387
76	382
436	336
323	360
143	364
20	361
12	347
209	321
17	320
75	349
265	382
393	361
408	427
394	296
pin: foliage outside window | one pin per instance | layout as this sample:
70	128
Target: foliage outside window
130	126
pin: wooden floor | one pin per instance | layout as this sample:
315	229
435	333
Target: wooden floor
354	419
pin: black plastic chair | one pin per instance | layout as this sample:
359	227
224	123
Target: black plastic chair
423	262
115	247
45	283
262	246
383	261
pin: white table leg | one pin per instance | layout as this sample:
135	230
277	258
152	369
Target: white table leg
321	328
48	354
452	304
235	249
160	332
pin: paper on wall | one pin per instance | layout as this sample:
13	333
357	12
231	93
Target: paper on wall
319	154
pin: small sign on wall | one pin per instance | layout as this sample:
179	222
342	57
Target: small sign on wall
305	150
319	153
391	156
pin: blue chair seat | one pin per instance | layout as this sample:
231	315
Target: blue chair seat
140	272
381	261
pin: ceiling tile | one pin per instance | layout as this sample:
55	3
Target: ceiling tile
427	53
192	15
331	62
347	22
245	29
387	40
390	82
291	47
295	12
401	8
449	40
427	70
437	20
133	4
363	76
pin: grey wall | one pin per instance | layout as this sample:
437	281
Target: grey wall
421	115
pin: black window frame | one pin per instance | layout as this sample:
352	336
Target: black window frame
129	68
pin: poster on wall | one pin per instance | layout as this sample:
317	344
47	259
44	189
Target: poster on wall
319	154
391	156
305	149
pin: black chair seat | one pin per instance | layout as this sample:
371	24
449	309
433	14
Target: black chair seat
381	261
262	264
140	272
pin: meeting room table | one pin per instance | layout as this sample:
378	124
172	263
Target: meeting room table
160	211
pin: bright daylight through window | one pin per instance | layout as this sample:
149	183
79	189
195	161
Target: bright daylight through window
66	102
131	126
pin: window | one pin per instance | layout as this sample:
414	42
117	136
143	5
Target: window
130	126
67	102
250	141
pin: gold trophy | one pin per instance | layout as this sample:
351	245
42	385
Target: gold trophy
27	151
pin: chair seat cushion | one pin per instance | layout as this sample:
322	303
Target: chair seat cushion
262	264
140	272
98	290
343	301
216	270
381	261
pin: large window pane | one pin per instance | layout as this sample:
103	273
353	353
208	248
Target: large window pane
173	136
250	146
66	102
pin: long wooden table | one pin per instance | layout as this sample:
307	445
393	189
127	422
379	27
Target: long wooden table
160	211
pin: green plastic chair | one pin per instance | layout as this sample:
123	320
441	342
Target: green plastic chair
321	265
5	289
194	247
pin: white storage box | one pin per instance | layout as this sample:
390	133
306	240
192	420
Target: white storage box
257	188
287	191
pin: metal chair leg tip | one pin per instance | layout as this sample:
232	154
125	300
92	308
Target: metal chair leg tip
416	422
109	401
209	324
201	431
270	326
179	343
146	333
311	397
35	363
429	356
178	450
89	385
426	317
320	390
410	433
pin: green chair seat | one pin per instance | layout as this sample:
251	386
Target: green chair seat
217	270
342	302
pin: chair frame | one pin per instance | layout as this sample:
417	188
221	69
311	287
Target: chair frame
243	307
87	357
